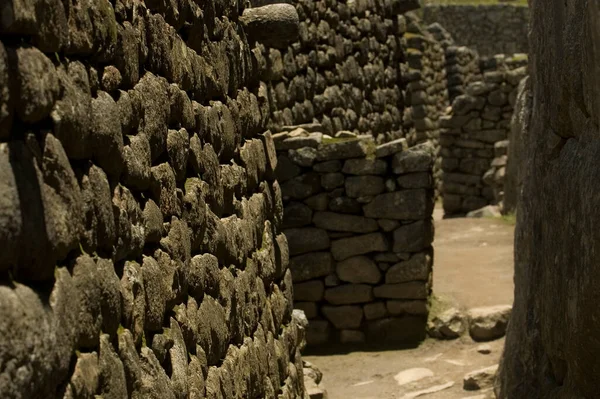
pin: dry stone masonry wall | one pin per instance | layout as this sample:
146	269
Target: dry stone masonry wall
462	69
489	29
140	219
475	133
426	90
359	227
344	72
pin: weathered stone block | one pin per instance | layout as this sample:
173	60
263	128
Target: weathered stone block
416	159
349	294
342	222
412	290
328	167
418	267
304	156
274	25
364	186
364	167
352	337
112	373
375	310
302	187
400	330
398	307
391	148
36	83
344	317
310	266
318	202
137	162
296	214
489	323
359	245
330	181
292	142
344	149
308	239
358	269
311	291
415	180
72	113
344	205
405	205
413	237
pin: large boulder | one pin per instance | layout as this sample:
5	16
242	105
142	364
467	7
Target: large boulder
551	349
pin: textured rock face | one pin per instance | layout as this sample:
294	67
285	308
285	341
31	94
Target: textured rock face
143	253
550	346
515	163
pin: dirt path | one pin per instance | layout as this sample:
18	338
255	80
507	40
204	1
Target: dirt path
473	262
473	267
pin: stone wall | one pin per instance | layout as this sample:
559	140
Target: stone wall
140	219
426	94
462	69
488	29
475	133
359	226
344	72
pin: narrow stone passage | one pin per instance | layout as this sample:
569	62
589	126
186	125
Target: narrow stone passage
473	268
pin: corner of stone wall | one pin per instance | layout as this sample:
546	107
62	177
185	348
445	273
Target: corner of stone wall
426	94
475	133
358	219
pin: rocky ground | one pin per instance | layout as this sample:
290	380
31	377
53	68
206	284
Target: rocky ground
473	268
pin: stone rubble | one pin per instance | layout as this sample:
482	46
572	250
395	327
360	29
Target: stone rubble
450	324
488	323
312	381
480	379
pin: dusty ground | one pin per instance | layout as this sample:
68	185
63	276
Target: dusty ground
473	267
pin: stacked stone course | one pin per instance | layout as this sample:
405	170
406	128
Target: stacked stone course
358	222
344	72
462	69
426	90
475	133
489	29
140	218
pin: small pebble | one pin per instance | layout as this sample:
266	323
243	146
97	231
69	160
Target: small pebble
484	349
